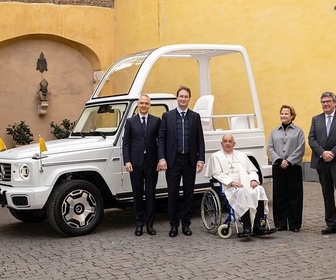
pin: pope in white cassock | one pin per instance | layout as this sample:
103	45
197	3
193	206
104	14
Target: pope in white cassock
241	184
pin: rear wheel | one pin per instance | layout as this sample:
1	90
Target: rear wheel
28	216
211	212
75	208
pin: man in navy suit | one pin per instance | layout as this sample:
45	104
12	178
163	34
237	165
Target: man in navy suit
322	140
181	155
140	153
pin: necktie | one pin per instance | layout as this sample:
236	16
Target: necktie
328	124
144	123
182	115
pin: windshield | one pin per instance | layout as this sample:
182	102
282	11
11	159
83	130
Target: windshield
98	120
119	77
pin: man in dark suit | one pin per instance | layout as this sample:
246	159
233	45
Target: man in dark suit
181	154
322	140
140	155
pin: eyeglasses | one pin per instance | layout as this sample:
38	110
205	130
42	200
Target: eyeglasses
326	101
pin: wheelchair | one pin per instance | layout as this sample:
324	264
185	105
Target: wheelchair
214	207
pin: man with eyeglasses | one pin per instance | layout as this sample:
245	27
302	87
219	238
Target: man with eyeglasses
322	141
140	154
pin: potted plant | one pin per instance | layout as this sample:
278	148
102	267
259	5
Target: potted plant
20	133
62	130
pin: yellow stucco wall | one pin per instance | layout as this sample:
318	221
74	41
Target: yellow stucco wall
89	26
290	43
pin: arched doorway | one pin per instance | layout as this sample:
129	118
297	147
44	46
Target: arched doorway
70	77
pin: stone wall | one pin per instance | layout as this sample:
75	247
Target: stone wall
96	3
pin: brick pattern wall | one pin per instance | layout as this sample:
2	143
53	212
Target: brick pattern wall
97	3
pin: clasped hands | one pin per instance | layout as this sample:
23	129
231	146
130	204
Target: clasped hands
328	156
284	164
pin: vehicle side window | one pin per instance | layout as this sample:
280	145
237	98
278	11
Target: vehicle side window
158	109
155	109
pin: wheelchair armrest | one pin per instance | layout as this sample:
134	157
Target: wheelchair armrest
217	186
213	180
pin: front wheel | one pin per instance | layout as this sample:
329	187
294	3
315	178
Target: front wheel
224	231
75	208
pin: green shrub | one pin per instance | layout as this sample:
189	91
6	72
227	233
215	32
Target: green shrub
20	133
62	130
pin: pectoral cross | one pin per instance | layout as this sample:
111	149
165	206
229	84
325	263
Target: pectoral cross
230	161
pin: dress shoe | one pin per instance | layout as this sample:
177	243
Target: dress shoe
294	229
328	230
246	230
138	231
173	231
186	231
151	231
280	228
257	229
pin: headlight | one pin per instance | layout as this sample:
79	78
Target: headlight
24	171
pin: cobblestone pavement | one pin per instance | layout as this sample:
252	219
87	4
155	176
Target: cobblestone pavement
36	251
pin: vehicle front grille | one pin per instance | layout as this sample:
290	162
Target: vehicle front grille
5	172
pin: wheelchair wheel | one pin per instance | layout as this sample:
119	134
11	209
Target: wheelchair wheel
224	231
211	212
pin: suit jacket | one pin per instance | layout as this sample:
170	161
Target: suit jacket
319	142
168	137
136	141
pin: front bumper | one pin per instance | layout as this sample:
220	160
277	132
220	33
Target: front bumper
24	198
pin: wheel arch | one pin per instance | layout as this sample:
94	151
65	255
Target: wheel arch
94	178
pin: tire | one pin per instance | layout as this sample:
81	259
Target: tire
224	231
211	212
28	216
75	208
